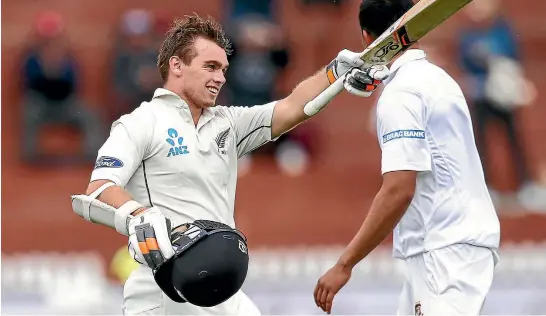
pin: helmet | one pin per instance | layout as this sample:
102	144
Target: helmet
209	266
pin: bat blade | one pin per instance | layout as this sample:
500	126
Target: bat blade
422	18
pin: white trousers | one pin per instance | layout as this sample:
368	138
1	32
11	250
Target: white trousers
450	281
142	296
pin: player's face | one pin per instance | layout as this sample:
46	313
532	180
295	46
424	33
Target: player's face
203	78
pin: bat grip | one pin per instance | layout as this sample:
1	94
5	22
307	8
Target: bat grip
320	101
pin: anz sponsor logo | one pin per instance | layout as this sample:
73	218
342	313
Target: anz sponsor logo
108	162
177	144
405	133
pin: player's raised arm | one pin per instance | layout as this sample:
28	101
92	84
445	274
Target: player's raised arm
259	124
289	111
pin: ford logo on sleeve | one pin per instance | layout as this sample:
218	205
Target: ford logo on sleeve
108	162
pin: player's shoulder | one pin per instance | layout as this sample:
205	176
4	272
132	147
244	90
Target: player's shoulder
402	85
228	114
223	113
232	111
394	100
424	78
221	110
143	116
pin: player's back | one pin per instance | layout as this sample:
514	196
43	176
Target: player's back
452	203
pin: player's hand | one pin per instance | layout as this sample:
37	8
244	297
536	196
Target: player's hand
150	238
345	61
359	81
329	284
363	83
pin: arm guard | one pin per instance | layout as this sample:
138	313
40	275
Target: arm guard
95	211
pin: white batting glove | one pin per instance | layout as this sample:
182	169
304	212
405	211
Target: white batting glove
149	238
345	61
363	83
359	81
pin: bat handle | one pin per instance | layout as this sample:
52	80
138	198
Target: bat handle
321	100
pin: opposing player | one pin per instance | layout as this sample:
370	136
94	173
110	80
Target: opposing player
433	193
175	157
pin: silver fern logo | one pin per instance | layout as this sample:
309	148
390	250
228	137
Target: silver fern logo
221	141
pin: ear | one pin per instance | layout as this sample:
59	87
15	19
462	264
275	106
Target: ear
367	38
175	64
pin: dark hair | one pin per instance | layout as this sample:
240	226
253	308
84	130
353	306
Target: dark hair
181	36
376	16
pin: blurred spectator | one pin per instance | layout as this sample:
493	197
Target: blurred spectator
50	90
320	17
135	72
490	57
322	2
260	55
241	8
162	23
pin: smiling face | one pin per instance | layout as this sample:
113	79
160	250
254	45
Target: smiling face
192	60
201	80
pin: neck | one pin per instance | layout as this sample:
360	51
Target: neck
194	110
414	46
195	113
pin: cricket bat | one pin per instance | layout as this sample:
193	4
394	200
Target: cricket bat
423	17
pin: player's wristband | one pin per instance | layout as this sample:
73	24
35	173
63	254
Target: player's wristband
123	215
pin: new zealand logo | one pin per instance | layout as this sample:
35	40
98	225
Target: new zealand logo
176	147
221	141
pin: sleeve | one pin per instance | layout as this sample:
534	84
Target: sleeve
252	126
31	70
509	41
470	61
402	133
126	147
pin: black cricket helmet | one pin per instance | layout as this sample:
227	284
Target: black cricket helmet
209	266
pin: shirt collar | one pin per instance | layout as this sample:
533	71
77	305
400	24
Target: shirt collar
161	92
206	115
408	56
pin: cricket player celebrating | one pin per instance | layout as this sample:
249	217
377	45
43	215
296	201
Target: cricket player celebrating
173	161
433	193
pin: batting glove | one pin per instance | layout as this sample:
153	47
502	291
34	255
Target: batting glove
149	238
363	83
359	81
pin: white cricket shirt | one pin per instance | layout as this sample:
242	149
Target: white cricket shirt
158	155
424	124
